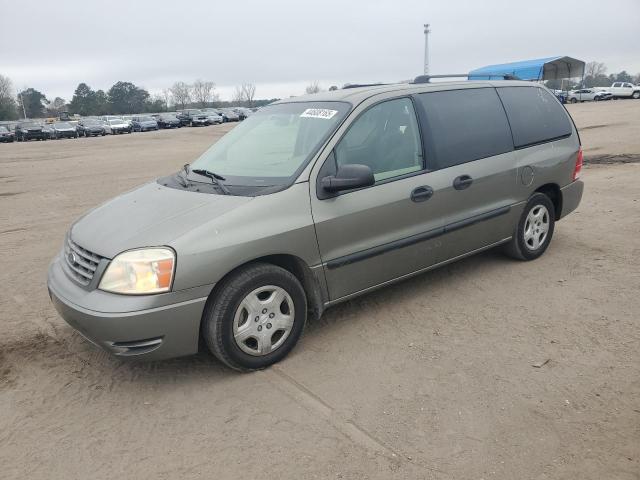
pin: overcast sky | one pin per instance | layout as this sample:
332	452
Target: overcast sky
281	46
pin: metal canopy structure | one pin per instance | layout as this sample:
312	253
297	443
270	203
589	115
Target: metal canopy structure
550	68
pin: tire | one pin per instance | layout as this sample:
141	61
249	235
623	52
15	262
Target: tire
573	100
525	246
635	95
228	307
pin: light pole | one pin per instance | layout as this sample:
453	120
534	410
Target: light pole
426	48
24	111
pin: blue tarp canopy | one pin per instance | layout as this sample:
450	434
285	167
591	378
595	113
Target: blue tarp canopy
551	68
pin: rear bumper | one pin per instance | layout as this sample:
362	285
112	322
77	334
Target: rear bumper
145	327
571	196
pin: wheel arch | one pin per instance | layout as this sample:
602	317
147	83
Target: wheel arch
552	190
299	269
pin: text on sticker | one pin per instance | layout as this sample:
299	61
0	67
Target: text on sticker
318	113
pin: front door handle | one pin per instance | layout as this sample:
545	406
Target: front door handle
422	194
462	182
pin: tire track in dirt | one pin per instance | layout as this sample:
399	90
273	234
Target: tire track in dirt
311	401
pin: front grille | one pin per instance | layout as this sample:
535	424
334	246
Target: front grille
82	263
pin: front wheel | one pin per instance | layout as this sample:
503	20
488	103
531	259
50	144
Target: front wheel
534	230
255	318
636	95
574	100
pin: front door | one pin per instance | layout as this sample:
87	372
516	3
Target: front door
373	235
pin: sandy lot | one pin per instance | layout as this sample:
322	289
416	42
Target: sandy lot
432	378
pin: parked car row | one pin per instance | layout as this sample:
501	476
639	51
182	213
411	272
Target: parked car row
617	90
588	95
113	125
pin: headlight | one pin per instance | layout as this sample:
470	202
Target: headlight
139	272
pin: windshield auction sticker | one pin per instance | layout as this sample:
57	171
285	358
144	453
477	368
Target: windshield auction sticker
318	113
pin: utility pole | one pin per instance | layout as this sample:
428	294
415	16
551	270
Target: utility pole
426	48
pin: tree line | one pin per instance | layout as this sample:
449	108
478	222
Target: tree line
126	97
121	98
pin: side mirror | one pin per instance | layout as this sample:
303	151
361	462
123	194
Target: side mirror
348	177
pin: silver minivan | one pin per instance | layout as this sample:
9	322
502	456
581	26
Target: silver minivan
312	201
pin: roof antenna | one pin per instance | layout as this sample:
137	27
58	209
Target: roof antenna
426	48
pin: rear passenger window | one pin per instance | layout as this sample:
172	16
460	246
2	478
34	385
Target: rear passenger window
535	115
464	125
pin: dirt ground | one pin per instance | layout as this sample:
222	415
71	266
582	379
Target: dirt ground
432	378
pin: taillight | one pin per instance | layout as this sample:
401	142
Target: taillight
578	168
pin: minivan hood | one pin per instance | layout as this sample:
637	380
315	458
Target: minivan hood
151	215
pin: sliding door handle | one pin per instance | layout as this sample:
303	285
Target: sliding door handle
462	182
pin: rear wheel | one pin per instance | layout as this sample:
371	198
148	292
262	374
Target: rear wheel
534	230
255	318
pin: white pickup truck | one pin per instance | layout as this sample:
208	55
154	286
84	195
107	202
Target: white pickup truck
624	90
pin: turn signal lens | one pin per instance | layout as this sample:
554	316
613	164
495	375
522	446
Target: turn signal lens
140	272
578	168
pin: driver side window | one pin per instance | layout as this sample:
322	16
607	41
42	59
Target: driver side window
385	138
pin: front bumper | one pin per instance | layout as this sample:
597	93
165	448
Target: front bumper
152	327
66	134
571	196
35	135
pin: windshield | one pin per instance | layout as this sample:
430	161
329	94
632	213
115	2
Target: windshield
91	122
115	121
146	119
62	125
274	144
3	129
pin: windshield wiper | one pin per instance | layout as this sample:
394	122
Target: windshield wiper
215	178
184	180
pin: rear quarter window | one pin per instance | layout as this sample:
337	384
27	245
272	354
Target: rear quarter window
535	115
464	125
